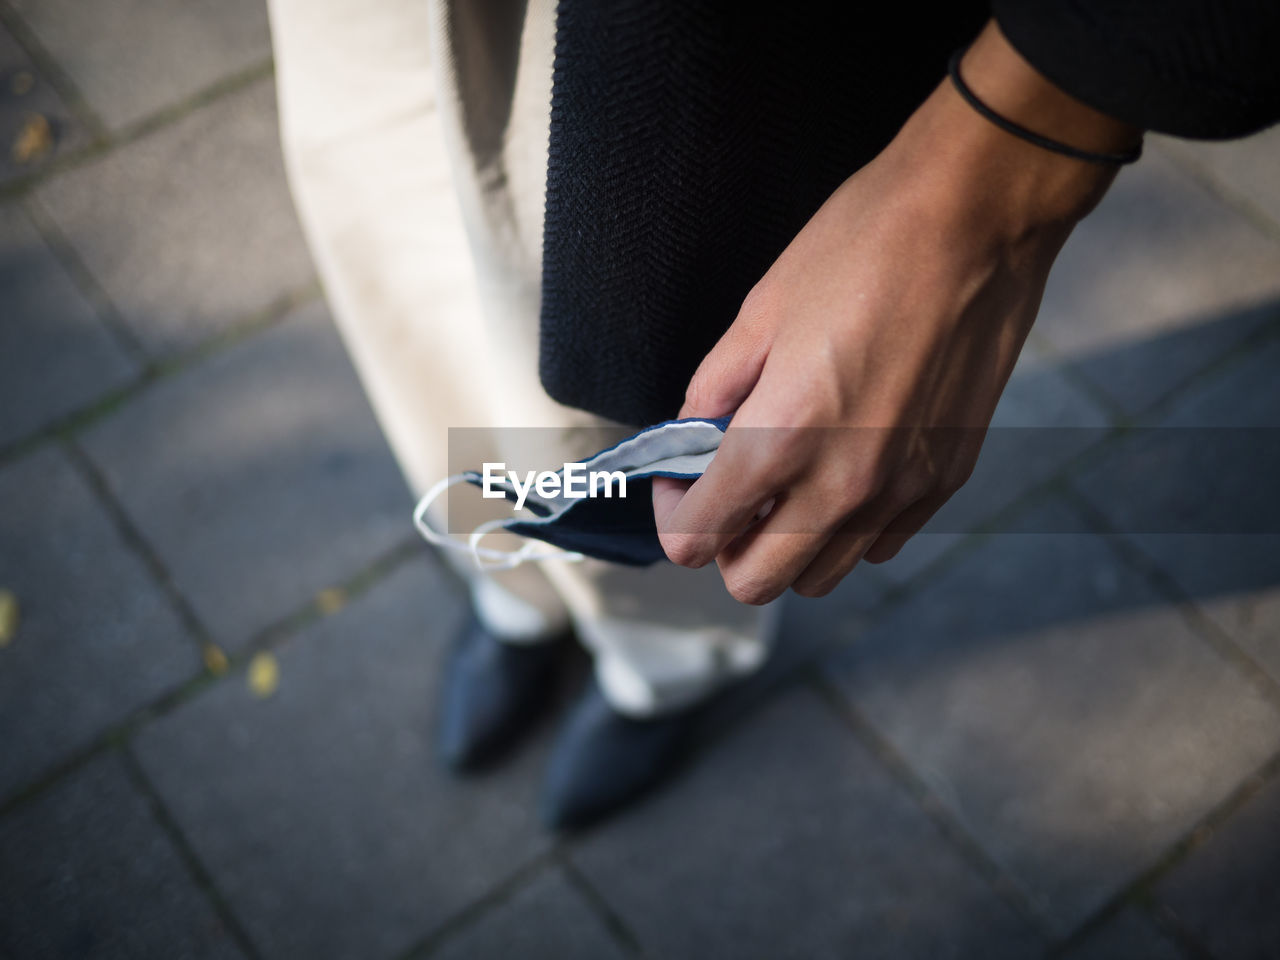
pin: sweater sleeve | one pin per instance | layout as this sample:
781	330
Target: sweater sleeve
1205	69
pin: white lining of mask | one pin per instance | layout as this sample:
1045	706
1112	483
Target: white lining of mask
682	447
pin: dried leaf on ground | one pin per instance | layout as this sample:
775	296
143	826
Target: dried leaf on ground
34	141
331	600
215	660
264	675
8	617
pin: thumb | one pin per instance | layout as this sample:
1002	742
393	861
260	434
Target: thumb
729	372
667	494
725	378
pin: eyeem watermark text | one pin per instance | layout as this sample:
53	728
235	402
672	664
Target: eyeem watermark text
573	483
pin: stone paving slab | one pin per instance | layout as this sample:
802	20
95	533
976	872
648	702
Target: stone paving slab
24	94
1156	283
807	629
191	228
320	812
1043	420
55	355
87	872
1227	892
1245	168
96	639
789	840
130	58
545	920
1129	936
1061	709
259	475
1210	476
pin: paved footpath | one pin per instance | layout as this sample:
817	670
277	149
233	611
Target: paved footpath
1050	728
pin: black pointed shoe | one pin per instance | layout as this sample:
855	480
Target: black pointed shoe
491	694
602	760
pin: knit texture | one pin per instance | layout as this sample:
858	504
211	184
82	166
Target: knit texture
690	142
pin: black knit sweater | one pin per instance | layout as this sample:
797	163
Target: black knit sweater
692	139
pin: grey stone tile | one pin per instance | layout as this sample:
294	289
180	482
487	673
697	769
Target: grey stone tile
789	840
1227	892
1156	283
86	872
321	812
546	920
1064	713
259	475
129	58
55	355
917	554
1248	168
24	95
1198	496
806	630
1042	421
1040	396
806	624
190	228
96	639
1127	937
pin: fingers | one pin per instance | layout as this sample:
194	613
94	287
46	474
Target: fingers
667	492
811	544
907	524
834	561
847	547
958	467
761	564
795	548
810	541
711	513
751	467
729	372
723	380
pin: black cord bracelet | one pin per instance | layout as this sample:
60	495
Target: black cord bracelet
1008	126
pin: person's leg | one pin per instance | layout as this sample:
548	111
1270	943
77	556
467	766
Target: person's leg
423	207
664	640
365	151
364	148
663	637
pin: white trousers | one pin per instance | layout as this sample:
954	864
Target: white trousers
415	139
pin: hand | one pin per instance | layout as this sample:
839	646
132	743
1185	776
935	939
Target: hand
895	315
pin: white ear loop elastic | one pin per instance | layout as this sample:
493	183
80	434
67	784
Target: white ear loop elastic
532	551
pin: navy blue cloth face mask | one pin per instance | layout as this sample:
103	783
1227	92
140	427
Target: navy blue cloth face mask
604	525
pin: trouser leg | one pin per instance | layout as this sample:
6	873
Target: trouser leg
663	637
366	157
427	235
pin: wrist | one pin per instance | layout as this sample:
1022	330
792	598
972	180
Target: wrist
1015	188
1003	80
